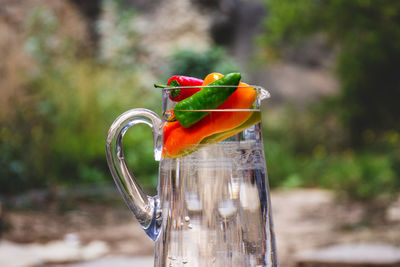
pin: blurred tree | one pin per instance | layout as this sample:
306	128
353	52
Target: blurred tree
118	43
91	11
367	34
224	21
199	64
57	134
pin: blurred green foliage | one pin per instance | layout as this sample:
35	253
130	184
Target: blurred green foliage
310	150
367	34
360	155
57	136
200	63
118	38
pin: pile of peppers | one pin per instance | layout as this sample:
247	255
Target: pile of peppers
192	128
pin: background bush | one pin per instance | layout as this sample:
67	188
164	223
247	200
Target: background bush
359	155
310	149
71	92
200	63
367	37
57	134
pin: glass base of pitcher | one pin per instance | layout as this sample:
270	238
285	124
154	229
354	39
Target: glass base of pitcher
216	208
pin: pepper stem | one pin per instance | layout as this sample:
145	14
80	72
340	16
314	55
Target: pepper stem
174	92
160	86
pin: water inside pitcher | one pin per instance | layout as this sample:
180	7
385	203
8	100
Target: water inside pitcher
212	206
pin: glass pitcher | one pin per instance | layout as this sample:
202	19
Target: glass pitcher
212	206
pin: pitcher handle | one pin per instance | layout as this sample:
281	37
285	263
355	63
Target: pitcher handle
145	208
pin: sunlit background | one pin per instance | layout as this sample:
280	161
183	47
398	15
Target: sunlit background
331	129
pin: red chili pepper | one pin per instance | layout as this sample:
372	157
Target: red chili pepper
179	80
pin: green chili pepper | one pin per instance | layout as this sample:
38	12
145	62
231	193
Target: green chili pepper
207	98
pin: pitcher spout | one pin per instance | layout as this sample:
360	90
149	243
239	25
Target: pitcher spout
264	94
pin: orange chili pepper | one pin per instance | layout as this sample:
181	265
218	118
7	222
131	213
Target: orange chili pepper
179	140
212	77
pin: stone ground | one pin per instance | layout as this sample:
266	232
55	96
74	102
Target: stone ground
100	235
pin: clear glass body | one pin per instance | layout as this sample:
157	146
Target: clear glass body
212	207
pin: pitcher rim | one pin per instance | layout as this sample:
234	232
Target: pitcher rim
263	93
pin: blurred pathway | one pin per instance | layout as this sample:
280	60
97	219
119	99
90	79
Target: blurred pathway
305	219
118	262
24	255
